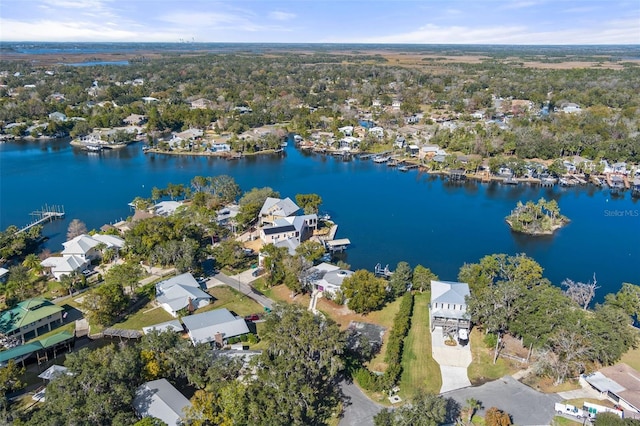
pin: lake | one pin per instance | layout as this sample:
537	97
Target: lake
389	216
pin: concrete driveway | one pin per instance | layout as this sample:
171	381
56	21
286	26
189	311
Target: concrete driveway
453	360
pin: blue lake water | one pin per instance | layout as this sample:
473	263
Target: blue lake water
388	215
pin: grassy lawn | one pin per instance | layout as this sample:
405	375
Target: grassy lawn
632	358
562	421
227	297
419	370
148	315
482	368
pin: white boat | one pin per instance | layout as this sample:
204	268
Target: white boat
381	159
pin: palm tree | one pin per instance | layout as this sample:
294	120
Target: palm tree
472	405
33	263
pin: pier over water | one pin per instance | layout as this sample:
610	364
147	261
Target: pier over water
44	215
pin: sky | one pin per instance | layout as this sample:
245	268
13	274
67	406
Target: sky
324	21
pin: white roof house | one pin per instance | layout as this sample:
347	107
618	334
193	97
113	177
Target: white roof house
177	292
214	326
4	274
298	228
328	278
274	208
159	399
111	241
167	208
65	265
449	305
82	245
173	325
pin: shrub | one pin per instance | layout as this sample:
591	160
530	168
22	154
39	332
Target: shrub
490	340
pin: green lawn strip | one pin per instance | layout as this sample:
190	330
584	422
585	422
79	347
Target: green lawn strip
632	358
146	316
419	370
482	368
234	301
383	317
563	421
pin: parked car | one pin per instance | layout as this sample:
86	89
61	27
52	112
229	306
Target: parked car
257	272
252	317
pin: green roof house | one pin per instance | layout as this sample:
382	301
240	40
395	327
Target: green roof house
30	318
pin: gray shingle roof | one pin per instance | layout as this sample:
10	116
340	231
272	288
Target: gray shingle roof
203	327
158	398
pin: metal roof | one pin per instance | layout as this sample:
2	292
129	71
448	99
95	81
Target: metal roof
159	399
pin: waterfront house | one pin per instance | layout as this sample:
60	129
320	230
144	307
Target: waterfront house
220	147
328	278
215	327
30	318
226	215
377	131
400	142
166	208
83	246
79	252
298	228
428	151
448	308
569	166
159	399
346	130
65	265
349	142
276	208
57	116
413	150
181	292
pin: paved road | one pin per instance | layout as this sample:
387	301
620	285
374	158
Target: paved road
358	409
240	282
526	405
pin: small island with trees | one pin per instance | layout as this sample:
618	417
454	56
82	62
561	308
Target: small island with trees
541	218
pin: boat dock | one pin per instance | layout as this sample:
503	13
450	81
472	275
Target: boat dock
379	271
44	215
337	246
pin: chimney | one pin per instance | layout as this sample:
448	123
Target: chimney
218	339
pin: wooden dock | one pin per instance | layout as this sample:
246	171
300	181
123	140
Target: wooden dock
45	215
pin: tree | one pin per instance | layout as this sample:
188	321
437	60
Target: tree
298	381
422	278
76	227
229	253
311	250
424	410
310	203
251	203
472	405
627	298
274	263
579	292
32	262
224	188
125	274
364	291
496	417
9	382
401	278
99	390
106	303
